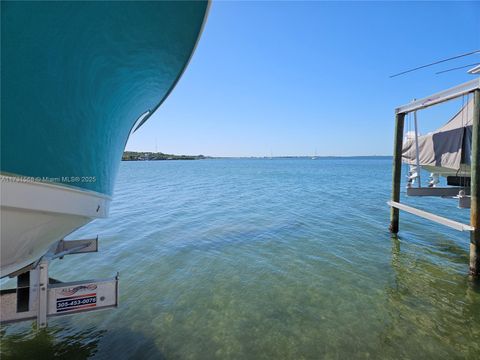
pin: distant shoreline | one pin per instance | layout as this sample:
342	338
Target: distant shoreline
152	156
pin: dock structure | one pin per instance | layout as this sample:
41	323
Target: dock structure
469	88
397	170
475	190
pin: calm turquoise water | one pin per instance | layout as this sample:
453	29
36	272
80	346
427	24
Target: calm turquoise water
266	259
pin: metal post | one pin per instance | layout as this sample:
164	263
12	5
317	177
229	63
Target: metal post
397	170
42	294
416	150
475	189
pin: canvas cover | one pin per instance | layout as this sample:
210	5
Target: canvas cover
446	147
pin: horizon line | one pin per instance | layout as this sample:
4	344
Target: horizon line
260	156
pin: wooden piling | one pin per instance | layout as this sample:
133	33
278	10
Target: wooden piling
397	170
475	189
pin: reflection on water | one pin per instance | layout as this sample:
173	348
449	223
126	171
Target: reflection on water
428	299
268	259
59	342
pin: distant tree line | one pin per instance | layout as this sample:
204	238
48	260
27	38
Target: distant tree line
143	156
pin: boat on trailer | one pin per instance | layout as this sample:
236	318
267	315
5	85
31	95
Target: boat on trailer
77	78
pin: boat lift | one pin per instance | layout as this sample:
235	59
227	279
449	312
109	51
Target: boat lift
38	297
467	197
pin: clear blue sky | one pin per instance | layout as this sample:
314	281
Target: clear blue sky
292	78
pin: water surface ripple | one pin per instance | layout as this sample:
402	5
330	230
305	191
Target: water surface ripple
266	259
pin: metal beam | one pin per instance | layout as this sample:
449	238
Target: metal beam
436	191
440	97
475	70
429	216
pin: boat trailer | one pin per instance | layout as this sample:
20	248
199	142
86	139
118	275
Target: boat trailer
38	297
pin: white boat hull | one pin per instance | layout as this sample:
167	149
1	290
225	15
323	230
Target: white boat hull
35	215
464	170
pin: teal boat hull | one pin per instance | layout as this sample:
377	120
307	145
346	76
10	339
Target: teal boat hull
77	75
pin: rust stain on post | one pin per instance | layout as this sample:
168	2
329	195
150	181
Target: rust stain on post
397	170
475	189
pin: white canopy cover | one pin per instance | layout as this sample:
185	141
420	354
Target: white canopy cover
447	147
